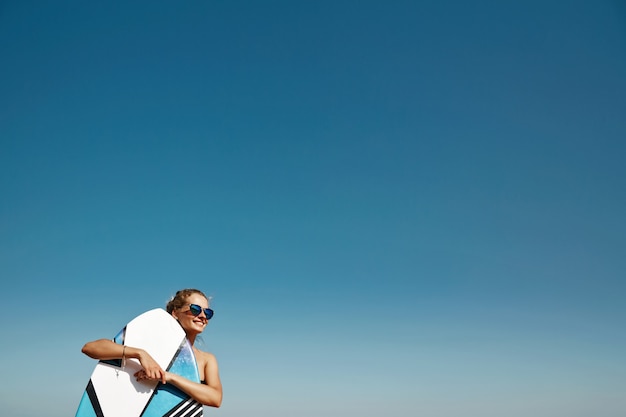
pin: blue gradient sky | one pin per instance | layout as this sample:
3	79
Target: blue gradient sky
401	208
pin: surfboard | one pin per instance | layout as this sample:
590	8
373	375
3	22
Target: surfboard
113	391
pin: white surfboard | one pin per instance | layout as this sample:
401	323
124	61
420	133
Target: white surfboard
113	391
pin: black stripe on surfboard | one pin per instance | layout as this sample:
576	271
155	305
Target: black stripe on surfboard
182	343
93	397
186	408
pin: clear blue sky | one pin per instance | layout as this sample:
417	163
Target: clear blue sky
400	208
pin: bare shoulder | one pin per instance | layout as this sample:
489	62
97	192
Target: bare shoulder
203	357
209	371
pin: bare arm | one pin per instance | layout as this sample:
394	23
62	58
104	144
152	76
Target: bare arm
105	349
209	393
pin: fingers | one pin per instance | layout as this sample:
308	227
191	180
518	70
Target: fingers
151	375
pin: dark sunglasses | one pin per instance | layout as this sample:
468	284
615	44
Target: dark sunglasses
196	310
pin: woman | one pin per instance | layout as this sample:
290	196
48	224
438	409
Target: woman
191	308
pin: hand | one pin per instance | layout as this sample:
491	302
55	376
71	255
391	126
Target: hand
141	375
151	370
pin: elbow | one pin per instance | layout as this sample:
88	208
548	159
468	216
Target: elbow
214	402
88	349
85	350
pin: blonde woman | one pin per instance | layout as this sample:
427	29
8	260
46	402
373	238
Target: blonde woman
191	308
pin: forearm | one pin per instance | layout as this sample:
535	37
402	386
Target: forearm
204	394
105	349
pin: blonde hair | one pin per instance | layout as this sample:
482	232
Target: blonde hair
180	298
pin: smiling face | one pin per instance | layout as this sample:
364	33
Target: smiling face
184	315
180	309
